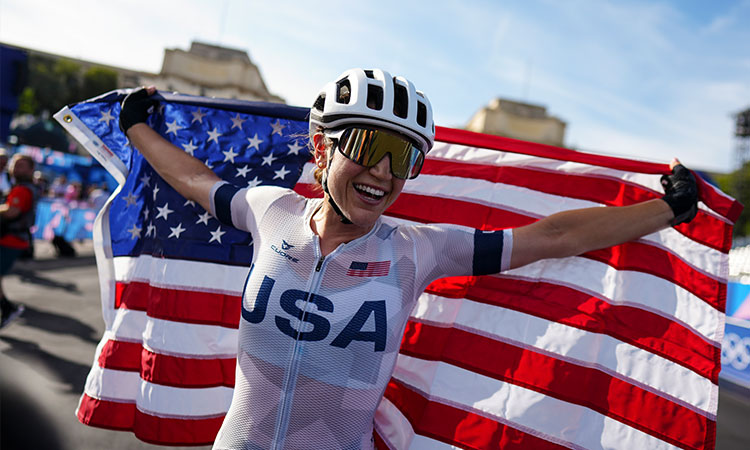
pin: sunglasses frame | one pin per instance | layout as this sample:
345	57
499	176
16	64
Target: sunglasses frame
337	134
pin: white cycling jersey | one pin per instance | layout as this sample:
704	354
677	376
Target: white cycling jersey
319	337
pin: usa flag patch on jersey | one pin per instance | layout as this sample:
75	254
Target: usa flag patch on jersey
369	269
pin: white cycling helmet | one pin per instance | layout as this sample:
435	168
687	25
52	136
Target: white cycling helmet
373	97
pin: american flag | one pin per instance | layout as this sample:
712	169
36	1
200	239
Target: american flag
617	348
369	269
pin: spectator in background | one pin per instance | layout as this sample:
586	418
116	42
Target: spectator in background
4	179
16	218
97	196
58	187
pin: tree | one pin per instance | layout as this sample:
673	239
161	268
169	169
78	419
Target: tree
96	81
737	184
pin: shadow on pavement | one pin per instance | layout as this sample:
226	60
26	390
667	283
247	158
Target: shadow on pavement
67	372
30	276
59	324
53	263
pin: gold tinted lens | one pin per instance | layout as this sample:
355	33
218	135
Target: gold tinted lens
367	147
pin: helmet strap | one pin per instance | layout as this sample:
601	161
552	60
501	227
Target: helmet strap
344	219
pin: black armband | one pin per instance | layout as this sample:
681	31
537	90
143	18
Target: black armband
681	194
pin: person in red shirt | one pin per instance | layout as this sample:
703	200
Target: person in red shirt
16	218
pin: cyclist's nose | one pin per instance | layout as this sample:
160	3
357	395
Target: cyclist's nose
382	169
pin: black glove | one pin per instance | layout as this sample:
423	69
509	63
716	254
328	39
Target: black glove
135	108
681	194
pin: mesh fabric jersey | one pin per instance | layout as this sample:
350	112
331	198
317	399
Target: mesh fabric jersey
319	337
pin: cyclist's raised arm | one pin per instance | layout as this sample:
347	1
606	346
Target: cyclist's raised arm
571	233
186	174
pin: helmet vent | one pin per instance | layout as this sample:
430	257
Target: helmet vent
320	102
369	74
374	97
421	114
343	91
400	100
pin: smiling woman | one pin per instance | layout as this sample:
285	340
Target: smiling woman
333	280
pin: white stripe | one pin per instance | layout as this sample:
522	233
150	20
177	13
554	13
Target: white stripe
180	274
186	340
626	287
393	427
522	408
477	155
576	346
190	340
154	399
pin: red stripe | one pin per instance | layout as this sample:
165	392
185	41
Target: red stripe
458	427
156	430
119	355
709	230
187	372
643	329
727	207
179	305
166	369
556	378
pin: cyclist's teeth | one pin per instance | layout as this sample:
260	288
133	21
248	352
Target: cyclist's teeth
371	191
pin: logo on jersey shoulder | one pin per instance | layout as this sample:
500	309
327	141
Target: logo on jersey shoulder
283	250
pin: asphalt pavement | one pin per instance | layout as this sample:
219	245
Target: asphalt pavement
46	354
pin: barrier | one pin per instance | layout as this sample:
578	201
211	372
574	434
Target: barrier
58	218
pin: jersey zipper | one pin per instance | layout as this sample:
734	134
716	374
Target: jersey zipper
290	381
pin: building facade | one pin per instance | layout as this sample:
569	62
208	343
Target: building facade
518	120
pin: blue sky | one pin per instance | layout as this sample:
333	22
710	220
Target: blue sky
643	79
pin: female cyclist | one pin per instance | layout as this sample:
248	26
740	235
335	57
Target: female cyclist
333	281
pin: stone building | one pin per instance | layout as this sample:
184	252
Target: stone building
213	71
518	120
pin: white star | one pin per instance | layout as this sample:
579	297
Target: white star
150	229
107	117
237	121
173	127
156	190
208	164
214	135
190	147
254	182
254	142
281	173
188	202
295	147
198	115
146	212
130	199
176	231
135	232
164	211
203	218
229	155
242	171
277	127
216	235
145	180
268	160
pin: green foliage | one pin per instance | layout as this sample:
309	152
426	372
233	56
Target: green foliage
96	81
56	83
737	184
27	103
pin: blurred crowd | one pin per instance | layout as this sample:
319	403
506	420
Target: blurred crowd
72	192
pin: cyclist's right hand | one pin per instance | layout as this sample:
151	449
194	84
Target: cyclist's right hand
136	107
